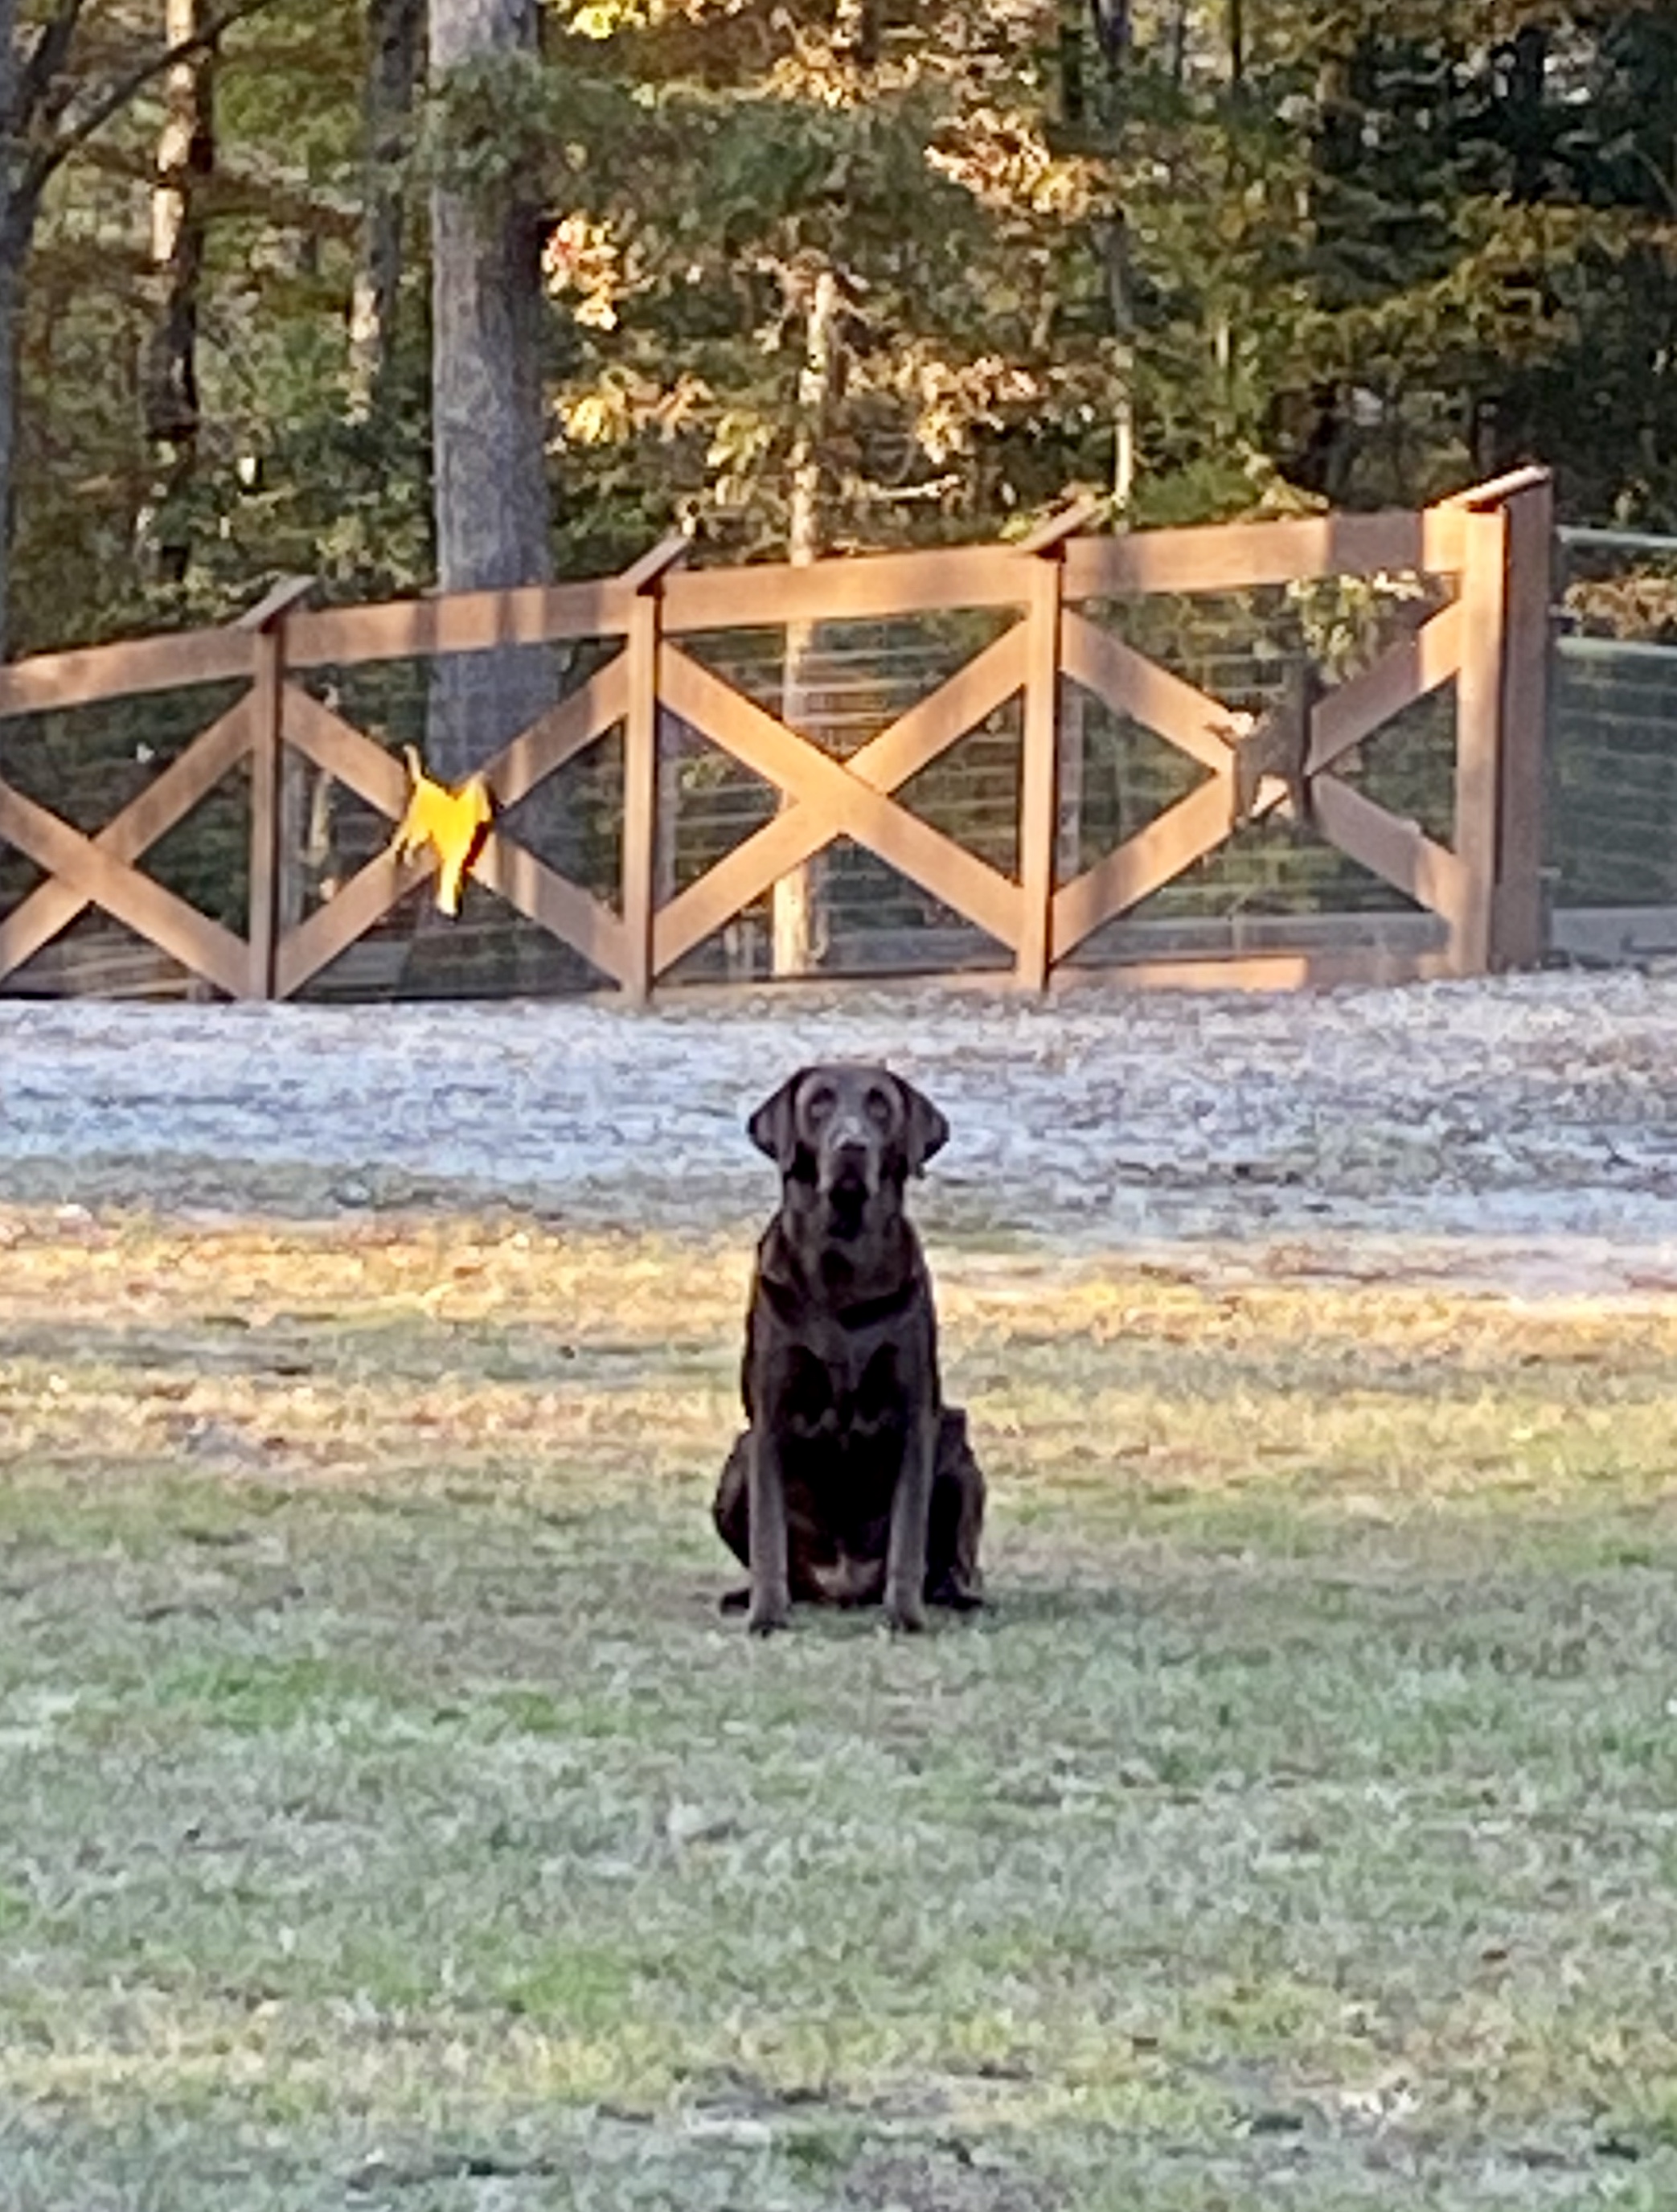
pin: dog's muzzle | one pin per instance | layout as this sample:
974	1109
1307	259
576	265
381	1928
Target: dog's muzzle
850	1158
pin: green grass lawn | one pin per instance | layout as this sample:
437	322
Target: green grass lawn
388	1818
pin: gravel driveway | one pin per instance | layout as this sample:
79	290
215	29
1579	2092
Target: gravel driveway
1520	1130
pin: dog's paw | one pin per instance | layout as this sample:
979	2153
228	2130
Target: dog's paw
769	1610
954	1597
904	1615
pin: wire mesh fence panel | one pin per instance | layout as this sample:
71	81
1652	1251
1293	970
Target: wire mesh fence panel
88	766
1273	889
1611	803
1237	645
840	685
1613	775
971	792
881	922
1408	766
984	758
1244	651
710	804
570	821
1116	776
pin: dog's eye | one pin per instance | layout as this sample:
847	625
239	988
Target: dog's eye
818	1105
878	1109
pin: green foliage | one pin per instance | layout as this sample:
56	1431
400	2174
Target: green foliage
1358	255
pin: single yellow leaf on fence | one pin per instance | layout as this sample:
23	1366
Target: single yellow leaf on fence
452	822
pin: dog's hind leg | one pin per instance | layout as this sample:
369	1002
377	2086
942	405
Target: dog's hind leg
953	1576
731	1509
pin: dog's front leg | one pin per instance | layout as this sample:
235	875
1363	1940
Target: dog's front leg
771	1595
911	1513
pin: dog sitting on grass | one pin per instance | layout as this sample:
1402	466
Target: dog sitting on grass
852	1483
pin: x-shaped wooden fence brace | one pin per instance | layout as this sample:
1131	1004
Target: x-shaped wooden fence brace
620	691
528	884
1210	734
823	797
100	871
855	797
833	798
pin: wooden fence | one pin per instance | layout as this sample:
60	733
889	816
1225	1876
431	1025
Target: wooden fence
1488	549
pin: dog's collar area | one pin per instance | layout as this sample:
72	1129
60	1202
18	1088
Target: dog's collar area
869	1312
847	1205
790	1303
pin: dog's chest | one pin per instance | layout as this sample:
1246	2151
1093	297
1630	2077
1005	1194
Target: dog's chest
840	1384
839	1377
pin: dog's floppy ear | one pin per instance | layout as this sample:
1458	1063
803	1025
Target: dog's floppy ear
925	1131
770	1128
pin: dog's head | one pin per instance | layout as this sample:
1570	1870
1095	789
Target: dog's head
848	1130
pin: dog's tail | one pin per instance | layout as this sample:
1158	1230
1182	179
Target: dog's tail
851	1581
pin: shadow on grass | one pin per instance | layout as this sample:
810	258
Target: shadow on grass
1008	1606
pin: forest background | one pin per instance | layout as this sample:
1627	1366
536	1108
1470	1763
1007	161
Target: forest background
394	294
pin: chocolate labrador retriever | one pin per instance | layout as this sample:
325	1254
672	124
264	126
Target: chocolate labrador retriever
852	1481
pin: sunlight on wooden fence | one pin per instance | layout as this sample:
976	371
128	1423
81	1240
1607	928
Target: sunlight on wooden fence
1052	645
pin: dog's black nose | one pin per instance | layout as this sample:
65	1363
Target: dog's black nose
849	1167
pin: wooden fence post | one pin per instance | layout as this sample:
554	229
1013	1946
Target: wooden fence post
1478	733
640	849
1517	924
1039	768
267	709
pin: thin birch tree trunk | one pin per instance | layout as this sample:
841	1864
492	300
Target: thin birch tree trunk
169	369
395	31
797	909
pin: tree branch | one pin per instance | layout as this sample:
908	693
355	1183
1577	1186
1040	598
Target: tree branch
45	161
46	60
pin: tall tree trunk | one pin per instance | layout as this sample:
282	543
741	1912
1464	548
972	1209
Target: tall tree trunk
36	139
395	32
1177	44
1529	61
13	251
1114	29
1072	37
17	229
491	497
797	920
169	376
1325	465
1120	303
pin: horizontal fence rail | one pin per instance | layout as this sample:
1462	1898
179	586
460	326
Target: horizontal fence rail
697	687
